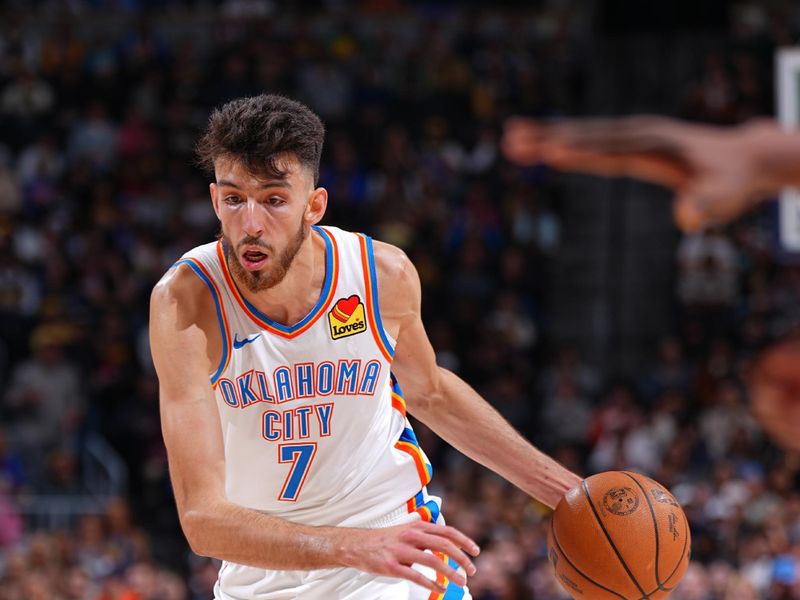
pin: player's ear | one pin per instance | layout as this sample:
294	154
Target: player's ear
317	204
214	190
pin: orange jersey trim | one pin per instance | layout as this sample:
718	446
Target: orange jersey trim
398	403
425	513
440	578
414	452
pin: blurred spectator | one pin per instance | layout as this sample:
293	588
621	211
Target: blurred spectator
93	140
724	419
13	474
533	223
94	552
12	526
41	159
10	193
509	320
708	270
629	445
565	415
569	365
44	402
670	371
326	88
27	97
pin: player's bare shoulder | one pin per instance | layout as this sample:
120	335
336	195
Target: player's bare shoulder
180	304
399	292
179	289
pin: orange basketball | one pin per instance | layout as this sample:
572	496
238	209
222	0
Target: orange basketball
619	535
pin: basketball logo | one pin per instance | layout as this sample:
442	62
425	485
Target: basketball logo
346	318
663	497
621	501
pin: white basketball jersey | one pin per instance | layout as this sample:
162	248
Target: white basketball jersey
314	424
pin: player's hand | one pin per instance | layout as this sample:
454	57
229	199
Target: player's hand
392	550
713	170
774	385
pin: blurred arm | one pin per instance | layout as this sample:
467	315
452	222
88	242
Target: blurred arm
717	173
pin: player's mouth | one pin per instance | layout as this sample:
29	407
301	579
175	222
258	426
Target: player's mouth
253	259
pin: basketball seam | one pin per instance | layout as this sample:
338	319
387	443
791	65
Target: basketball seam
577	570
655	523
610	541
661	586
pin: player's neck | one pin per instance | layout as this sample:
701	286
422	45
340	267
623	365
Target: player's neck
295	296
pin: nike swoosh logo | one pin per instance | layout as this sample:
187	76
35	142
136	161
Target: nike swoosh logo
239	343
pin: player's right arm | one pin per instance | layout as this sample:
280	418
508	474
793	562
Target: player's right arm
185	341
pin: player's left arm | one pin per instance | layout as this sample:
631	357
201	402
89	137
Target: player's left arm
444	402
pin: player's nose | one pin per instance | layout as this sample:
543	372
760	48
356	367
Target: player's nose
252	224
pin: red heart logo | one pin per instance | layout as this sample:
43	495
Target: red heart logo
347	306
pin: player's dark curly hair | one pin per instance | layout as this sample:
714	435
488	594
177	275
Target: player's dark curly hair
259	131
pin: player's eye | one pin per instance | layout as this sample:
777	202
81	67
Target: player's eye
232	200
276	201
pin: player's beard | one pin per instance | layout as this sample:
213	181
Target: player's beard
277	266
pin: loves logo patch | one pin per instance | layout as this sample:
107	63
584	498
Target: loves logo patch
347	317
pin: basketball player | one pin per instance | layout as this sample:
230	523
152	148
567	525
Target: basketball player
287	355
718	173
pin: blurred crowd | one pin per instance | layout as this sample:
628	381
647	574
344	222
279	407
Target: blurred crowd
104	557
100	107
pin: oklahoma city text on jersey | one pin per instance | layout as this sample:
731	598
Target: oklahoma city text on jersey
302	380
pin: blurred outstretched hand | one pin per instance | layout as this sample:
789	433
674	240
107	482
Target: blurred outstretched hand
714	171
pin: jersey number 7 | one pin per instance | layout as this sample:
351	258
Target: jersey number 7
301	456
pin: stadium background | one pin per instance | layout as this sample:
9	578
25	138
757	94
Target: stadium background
571	303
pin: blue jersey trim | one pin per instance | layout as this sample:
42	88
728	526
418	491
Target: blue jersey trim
376	306
453	591
408	436
220	320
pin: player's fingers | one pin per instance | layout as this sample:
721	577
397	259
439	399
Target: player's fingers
528	143
455	536
526	148
689	214
711	199
617	136
418	578
641	135
445	546
646	166
521	141
428	559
